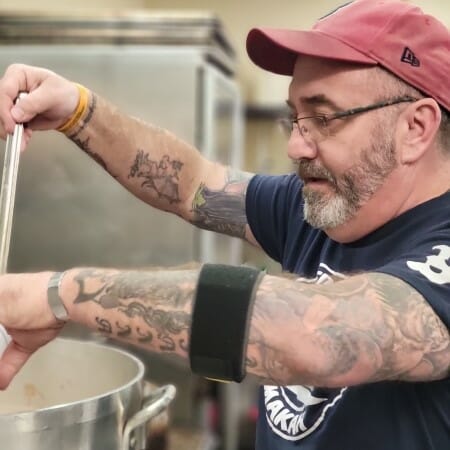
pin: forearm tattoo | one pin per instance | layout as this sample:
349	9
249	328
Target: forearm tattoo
84	143
161	177
223	210
367	328
153	307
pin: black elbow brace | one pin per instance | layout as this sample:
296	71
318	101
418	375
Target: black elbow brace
220	321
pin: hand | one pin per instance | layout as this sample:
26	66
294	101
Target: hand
28	319
51	99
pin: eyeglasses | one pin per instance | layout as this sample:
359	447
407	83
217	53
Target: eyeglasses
315	128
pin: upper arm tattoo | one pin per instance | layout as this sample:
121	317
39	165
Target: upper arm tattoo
366	328
223	210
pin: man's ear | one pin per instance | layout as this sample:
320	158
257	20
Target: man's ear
420	123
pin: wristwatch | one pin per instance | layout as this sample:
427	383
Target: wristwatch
54	300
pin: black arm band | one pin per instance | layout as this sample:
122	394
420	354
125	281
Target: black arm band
220	321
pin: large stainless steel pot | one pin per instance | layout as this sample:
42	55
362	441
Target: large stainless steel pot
75	395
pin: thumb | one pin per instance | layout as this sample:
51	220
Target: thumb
19	114
27	107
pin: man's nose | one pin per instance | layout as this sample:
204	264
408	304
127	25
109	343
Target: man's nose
300	148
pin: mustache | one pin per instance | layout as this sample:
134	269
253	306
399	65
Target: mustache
307	169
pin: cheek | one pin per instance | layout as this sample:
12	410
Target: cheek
337	161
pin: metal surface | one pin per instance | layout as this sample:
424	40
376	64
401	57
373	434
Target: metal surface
78	395
8	190
7	196
153	406
195	29
69	212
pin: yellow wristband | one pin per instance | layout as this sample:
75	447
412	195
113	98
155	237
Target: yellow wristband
83	103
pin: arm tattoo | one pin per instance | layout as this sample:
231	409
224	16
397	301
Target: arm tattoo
223	210
162	176
84	143
367	328
103	325
153	308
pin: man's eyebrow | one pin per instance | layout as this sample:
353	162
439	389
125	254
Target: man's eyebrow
316	100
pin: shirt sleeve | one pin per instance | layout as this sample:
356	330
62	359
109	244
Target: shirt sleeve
427	269
269	201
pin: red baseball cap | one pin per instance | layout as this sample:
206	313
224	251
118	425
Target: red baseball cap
394	34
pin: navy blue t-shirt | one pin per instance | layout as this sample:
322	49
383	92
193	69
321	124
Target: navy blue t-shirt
391	415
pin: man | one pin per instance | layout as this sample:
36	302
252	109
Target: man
359	360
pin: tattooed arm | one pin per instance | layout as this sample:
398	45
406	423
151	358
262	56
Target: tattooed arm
164	171
150	162
367	328
364	329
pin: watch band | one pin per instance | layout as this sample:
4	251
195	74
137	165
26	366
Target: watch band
54	300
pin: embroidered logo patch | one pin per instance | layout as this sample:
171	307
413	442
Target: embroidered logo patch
409	57
436	267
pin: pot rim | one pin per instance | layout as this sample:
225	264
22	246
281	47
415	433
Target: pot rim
79	411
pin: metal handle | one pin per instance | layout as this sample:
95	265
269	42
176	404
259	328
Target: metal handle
7	196
154	405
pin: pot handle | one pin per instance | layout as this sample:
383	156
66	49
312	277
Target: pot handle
154	404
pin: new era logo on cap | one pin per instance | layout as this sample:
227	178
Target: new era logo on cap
410	58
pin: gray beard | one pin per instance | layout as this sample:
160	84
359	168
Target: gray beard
322	212
352	190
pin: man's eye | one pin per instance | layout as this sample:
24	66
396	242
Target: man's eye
321	121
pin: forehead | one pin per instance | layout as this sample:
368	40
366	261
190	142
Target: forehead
336	80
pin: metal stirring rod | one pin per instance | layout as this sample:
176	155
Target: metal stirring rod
8	189
7	196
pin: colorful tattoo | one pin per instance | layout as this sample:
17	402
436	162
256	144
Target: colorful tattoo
223	210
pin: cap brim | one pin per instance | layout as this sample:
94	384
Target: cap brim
276	50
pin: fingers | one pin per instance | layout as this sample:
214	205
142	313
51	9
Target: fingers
13	82
27	132
24	343
11	362
50	101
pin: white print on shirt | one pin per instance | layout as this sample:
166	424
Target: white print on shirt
294	412
436	267
324	275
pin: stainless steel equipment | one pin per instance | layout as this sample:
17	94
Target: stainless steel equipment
172	70
8	189
79	395
175	70
7	196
